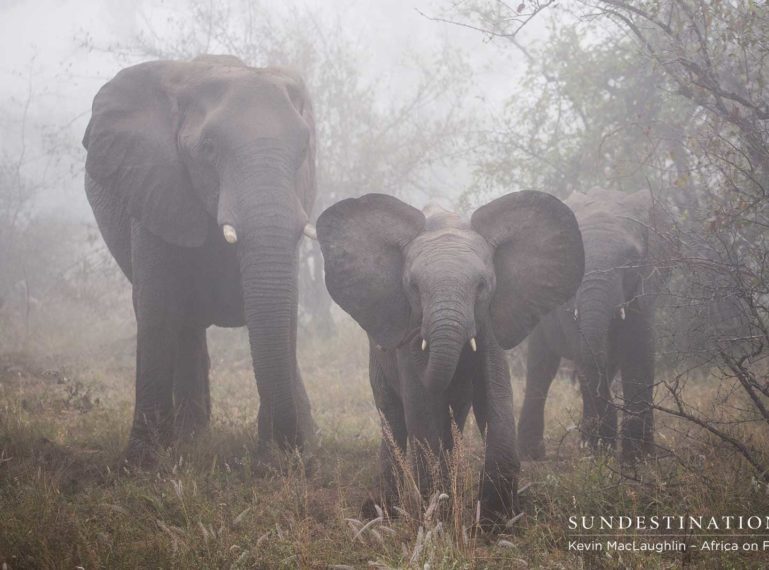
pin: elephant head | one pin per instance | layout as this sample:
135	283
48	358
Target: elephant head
616	231
400	274
211	150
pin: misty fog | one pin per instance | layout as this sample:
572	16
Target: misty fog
608	156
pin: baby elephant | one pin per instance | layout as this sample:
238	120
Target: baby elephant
441	299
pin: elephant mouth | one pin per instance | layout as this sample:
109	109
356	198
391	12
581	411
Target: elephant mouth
472	343
443	348
231	234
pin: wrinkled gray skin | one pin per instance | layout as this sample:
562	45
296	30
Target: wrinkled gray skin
607	327
176	150
408	278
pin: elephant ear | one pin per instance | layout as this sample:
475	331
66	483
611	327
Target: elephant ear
132	152
538	259
297	91
306	181
362	240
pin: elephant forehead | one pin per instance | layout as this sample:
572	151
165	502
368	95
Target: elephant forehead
603	233
437	218
196	83
610	208
239	87
448	248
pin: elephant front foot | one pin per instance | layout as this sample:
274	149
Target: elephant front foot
531	450
143	455
599	438
289	430
150	438
499	502
598	444
495	518
374	507
634	451
637	441
190	422
368	510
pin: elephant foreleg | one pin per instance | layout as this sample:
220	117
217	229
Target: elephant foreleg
499	478
636	354
392	449
153	412
541	367
424	416
192	400
392	453
157	292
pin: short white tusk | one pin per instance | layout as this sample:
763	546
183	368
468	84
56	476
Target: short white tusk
229	233
473	344
309	231
424	345
576	314
622	313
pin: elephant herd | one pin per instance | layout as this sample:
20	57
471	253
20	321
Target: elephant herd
201	176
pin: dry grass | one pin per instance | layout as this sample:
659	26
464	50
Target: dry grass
66	500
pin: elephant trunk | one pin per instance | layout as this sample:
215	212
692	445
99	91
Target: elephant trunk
594	310
269	224
270	304
596	304
447	328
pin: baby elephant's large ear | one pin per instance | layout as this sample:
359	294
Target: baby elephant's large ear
362	240
538	259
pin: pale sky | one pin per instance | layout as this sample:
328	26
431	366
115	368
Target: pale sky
39	52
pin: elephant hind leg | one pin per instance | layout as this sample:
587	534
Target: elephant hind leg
192	400
304	410
541	367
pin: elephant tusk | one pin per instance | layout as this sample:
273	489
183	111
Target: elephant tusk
576	314
309	231
473	344
424	345
622	313
230	235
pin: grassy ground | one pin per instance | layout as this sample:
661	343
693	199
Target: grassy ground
67	501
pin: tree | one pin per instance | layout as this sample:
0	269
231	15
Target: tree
667	96
713	57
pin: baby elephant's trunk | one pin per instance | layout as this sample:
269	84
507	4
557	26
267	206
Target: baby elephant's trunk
448	329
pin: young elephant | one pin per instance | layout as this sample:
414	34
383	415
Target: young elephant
441	299
608	326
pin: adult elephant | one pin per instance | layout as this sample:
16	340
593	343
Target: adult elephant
201	176
608	325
